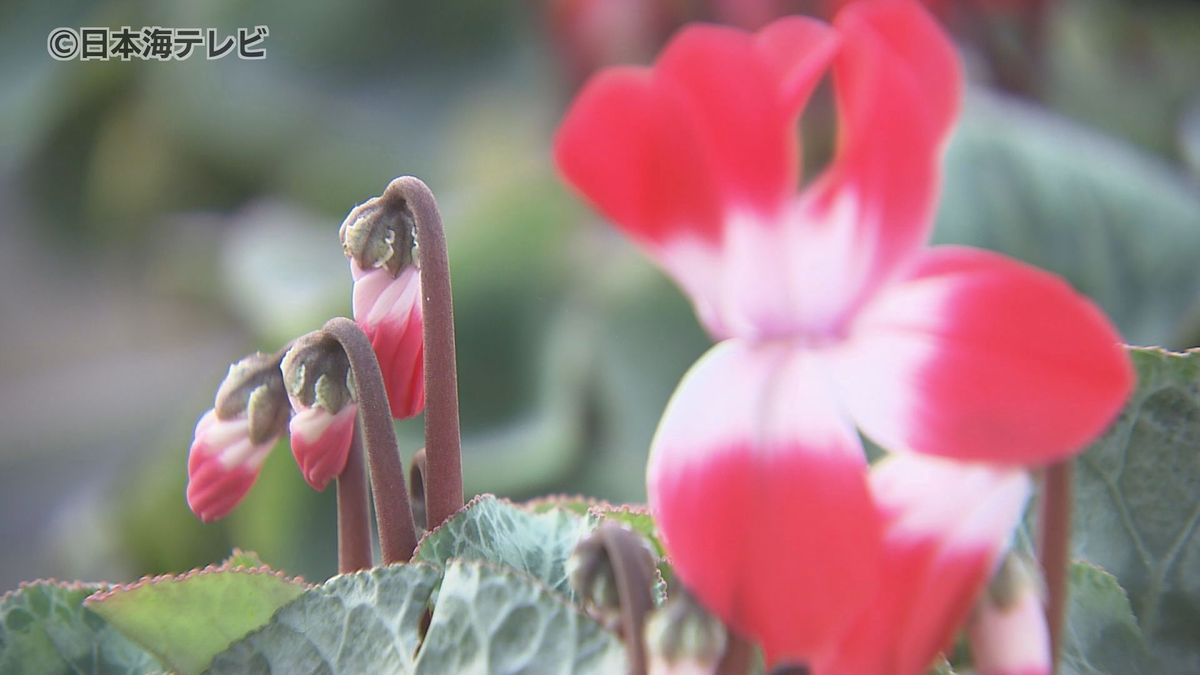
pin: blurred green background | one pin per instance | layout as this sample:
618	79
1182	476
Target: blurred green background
159	220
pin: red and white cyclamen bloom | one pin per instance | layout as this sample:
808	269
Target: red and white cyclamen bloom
834	317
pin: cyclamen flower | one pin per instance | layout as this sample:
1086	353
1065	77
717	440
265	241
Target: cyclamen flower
834	318
233	439
387	297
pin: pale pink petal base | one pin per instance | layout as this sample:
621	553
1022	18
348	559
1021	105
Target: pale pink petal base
1011	640
222	465
751	442
946	524
321	442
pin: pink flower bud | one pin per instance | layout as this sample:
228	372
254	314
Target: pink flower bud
379	238
1008	632
389	311
321	442
222	465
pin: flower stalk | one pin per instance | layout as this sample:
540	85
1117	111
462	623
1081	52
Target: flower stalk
443	476
416	489
353	511
613	570
397	534
1054	546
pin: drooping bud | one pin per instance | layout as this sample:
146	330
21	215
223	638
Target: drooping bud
379	238
1008	632
592	577
317	376
232	440
612	570
683	638
380	233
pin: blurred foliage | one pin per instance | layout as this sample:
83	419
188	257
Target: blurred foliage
219	185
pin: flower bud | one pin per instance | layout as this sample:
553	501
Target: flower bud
590	570
232	440
1008	632
380	233
379	238
254	389
682	638
317	376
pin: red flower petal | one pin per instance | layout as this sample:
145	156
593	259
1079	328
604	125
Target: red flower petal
671	152
629	146
980	357
898	88
389	311
321	442
222	465
798	50
743	113
750	442
945	525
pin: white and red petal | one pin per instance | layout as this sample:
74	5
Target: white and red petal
388	309
698	160
758	484
1013	639
898	84
222	465
945	525
980	357
630	147
321	442
732	85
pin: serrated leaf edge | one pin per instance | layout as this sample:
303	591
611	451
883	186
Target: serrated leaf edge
118	589
75	585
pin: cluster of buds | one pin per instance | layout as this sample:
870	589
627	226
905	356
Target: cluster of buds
251	412
347	382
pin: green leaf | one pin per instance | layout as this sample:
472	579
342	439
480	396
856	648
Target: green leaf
186	620
1137	510
634	517
638	519
485	619
368	622
1101	635
492	620
577	504
45	629
1122	227
240	558
502	533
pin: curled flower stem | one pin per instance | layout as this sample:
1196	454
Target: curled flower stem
397	534
416	488
1054	546
443	477
633	570
354	512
